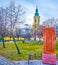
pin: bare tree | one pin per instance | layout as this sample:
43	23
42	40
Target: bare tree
9	17
14	14
50	22
2	25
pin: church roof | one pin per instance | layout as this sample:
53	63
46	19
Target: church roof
36	12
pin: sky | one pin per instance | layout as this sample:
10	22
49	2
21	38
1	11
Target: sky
47	8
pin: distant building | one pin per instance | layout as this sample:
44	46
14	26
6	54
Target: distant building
25	31
56	30
24	28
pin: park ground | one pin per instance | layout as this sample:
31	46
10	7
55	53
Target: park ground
26	48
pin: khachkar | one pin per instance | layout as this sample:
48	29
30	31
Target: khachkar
49	55
35	23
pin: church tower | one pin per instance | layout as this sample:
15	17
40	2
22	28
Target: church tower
36	19
35	24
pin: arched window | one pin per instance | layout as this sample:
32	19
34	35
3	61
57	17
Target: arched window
35	26
35	20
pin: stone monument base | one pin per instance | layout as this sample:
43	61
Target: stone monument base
49	58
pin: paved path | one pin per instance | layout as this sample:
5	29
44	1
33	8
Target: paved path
33	62
4	61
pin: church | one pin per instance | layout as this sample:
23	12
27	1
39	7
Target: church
35	25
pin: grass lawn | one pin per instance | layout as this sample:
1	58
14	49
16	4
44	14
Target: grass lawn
10	51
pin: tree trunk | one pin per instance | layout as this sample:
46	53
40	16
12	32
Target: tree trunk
3	42
16	46
34	38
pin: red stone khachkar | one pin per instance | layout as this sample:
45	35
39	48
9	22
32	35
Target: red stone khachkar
49	55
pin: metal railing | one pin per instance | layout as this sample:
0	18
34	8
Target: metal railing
30	56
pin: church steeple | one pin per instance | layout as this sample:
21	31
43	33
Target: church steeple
36	12
36	23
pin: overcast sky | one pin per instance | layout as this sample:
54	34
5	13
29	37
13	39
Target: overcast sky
46	8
